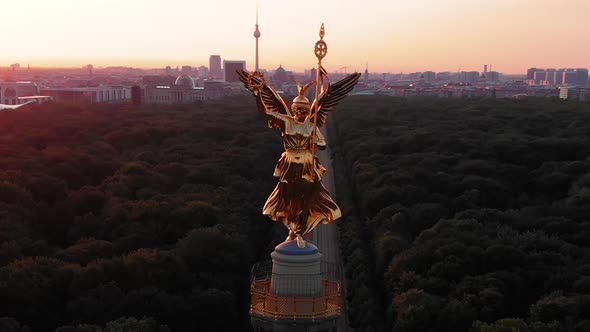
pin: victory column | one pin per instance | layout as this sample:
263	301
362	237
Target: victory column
295	293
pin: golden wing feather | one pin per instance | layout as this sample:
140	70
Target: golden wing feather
330	98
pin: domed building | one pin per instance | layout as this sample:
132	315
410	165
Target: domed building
185	81
184	91
16	93
280	75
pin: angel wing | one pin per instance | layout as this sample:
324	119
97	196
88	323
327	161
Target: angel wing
267	99
330	98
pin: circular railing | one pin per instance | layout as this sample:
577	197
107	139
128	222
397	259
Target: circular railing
271	303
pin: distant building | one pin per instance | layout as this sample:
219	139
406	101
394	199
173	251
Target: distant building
558	76
550	76
443	76
88	95
10	92
539	76
570	77
429	76
154	80
537	83
469	77
230	68
38	99
136	95
183	91
530	73
203	72
215	71
562	76
184	81
574	93
569	92
582	76
26	88
509	91
314	72
280	75
492	77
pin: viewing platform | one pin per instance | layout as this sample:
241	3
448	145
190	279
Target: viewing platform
266	304
295	292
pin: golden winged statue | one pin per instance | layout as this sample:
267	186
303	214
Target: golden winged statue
299	200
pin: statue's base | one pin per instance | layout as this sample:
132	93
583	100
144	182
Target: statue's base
296	271
296	296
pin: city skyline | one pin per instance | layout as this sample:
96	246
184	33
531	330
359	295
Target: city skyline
512	35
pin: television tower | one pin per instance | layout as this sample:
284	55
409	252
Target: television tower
256	35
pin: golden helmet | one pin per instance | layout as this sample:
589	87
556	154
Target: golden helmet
301	99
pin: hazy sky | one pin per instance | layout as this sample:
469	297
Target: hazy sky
391	35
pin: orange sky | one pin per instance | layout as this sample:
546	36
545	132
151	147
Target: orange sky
391	35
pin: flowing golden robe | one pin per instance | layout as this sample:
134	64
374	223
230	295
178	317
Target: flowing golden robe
299	200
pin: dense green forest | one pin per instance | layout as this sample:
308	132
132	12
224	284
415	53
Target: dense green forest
464	214
459	215
121	219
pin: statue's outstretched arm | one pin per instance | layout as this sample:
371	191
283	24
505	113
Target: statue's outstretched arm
278	116
319	140
269	102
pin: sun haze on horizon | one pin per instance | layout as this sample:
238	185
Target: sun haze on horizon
392	36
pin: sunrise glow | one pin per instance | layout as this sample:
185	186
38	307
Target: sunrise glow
391	36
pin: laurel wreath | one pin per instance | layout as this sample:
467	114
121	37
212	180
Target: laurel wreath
255	80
